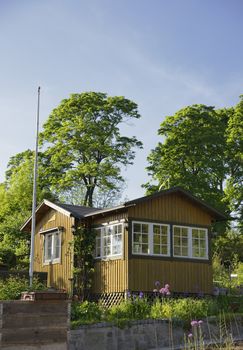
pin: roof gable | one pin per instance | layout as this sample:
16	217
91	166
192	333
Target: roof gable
69	210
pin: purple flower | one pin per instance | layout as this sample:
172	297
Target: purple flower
190	335
157	284
128	294
200	322
194	323
141	295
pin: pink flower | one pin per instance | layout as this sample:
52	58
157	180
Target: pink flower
190	335
162	290
167	286
200	322
194	323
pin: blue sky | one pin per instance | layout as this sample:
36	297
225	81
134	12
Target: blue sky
163	54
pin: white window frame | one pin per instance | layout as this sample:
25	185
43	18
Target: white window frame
52	234
190	255
150	238
103	230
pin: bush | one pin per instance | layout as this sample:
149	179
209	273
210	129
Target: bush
133	309
86	313
183	309
11	288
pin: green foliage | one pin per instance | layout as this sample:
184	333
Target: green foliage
132	309
234	184
84	146
11	288
182	309
202	152
16	204
85	313
84	245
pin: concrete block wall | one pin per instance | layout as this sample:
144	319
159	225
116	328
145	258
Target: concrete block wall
151	335
28	325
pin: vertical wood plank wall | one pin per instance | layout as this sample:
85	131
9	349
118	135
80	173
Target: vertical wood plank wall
181	275
111	275
60	274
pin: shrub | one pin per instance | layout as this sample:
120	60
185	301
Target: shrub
133	309
86	313
11	288
183	309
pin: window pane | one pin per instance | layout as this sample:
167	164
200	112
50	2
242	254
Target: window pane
49	247
156	229
57	245
177	251
145	238
156	239
136	248
164	250
136	228
145	248
137	237
156	249
145	228
184	251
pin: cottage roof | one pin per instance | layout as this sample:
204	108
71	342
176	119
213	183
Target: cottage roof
214	212
81	212
77	211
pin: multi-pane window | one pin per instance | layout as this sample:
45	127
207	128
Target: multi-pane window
140	238
109	241
199	249
52	247
160	239
180	241
150	238
190	242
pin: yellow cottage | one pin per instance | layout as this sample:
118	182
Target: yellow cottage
165	236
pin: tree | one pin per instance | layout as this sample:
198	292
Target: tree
234	152
16	204
83	144
192	154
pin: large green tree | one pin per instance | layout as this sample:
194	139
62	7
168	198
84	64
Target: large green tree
16	204
83	145
202	152
234	153
192	153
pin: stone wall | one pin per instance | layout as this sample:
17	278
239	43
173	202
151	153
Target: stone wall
151	335
32	325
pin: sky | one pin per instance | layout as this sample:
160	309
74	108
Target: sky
162	54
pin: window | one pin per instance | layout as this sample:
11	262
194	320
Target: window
180	238
190	242
150	239
199	239
52	247
109	241
160	239
140	238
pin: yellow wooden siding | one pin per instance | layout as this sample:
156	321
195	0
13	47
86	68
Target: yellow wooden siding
182	276
112	275
59	274
171	208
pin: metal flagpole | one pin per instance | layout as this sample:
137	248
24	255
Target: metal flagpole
32	241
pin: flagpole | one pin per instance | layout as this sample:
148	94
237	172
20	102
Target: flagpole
32	241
